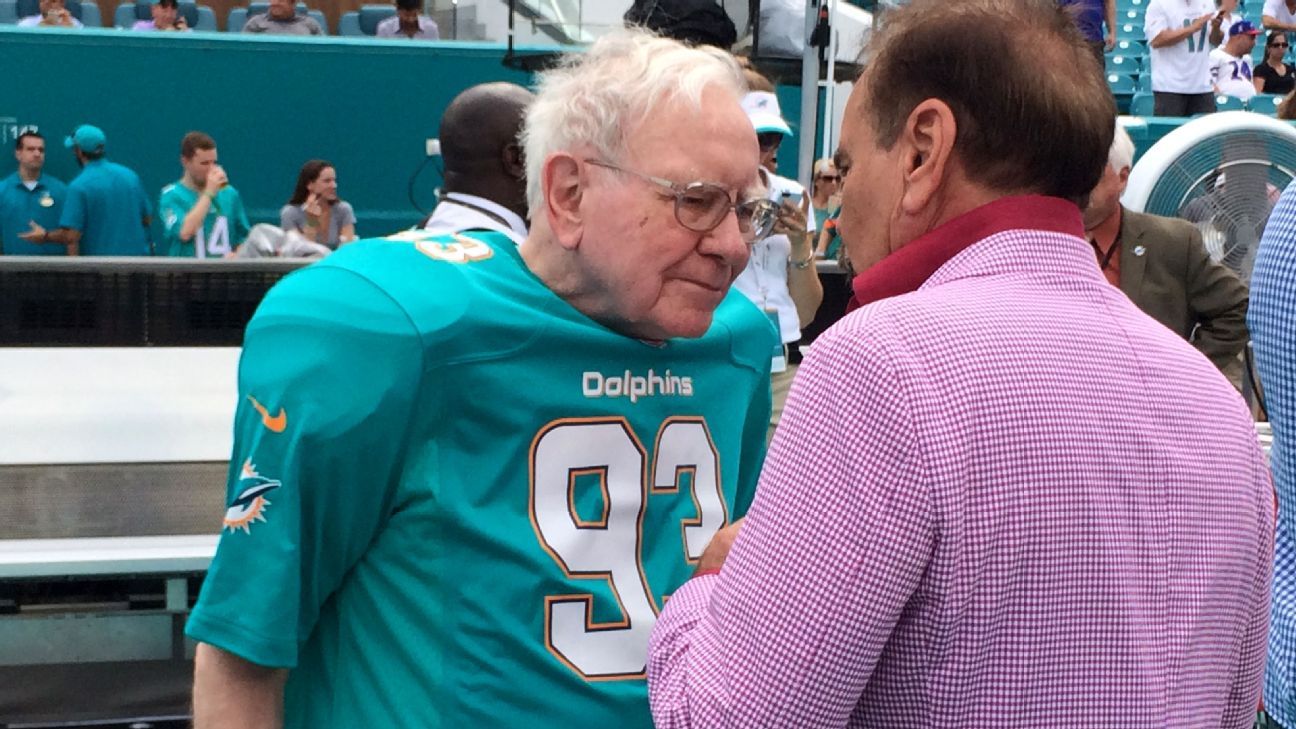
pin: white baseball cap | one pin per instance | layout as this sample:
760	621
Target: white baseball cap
762	108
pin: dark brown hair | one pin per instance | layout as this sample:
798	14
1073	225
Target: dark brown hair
310	172
194	141
1032	109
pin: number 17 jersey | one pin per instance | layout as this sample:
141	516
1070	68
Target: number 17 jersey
456	501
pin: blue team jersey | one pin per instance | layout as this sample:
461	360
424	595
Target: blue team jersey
456	501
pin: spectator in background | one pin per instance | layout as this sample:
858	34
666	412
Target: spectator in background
825	189
1274	75
1162	266
1038	506
485	173
166	16
107	211
53	14
1224	19
408	22
28	198
202	215
780	276
1287	107
1176	31
314	209
1230	66
1279	15
282	19
1090	16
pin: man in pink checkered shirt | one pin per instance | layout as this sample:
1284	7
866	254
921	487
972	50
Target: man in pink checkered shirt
1001	496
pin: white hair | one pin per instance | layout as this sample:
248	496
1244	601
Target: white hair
593	98
1121	154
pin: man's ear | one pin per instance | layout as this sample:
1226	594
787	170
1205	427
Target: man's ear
513	160
927	148
563	185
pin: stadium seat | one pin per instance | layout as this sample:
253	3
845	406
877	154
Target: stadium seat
1142	104
1145	82
1120	83
1136	47
364	22
238	16
199	17
8	12
1265	103
1116	63
1229	103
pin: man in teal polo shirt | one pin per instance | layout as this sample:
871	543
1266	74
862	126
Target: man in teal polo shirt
29	197
107	212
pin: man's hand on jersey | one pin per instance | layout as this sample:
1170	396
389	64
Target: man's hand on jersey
1201	22
713	557
34	234
216	179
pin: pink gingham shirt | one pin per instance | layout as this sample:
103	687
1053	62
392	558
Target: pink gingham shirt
1008	498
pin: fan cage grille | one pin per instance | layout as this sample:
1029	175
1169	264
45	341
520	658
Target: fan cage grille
1227	185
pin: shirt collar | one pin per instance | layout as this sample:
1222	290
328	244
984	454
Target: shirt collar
515	221
906	269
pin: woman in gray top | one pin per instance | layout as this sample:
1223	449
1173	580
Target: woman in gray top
315	210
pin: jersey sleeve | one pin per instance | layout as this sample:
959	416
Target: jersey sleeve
328	366
171	210
1155	21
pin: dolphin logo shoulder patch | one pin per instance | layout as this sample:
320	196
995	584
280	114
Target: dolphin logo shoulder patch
250	504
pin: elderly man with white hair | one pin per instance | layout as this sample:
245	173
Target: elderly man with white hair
1163	266
467	474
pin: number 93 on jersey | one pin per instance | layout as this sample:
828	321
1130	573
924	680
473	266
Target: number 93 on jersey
591	487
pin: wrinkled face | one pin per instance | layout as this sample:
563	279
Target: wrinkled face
164	16
199	165
32	154
655	278
326	185
282	9
870	189
1105	198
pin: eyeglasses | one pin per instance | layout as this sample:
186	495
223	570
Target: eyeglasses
769	140
830	178
702	206
1277	45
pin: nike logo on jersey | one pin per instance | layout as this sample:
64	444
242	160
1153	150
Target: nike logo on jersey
596	385
277	424
250	504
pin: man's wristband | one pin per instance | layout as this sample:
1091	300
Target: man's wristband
802	265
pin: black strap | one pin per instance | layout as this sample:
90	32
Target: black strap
1104	259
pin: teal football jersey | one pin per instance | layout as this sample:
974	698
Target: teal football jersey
225	226
456	501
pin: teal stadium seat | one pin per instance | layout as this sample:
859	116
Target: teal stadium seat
1122	84
1229	103
1142	104
1117	63
364	22
8	12
1265	103
87	13
1145	82
238	16
199	17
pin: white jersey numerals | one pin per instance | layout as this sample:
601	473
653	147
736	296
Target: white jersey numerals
215	245
611	547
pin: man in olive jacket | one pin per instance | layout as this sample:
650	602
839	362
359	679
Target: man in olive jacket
1163	266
